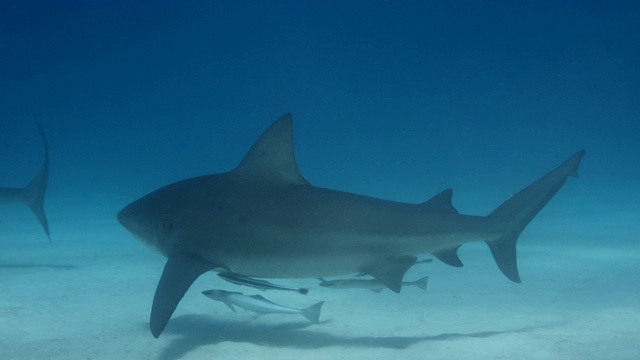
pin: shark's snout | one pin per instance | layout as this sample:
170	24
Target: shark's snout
121	217
124	218
148	223
132	220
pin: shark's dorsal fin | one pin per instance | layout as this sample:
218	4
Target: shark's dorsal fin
441	203
271	158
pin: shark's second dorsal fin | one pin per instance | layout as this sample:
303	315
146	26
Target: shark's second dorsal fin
271	158
441	203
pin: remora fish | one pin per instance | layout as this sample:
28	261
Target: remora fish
258	284
423	261
265	220
257	305
33	194
370	284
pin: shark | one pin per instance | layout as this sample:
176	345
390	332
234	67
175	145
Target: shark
263	219
32	195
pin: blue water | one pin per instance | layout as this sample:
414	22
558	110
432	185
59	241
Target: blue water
393	99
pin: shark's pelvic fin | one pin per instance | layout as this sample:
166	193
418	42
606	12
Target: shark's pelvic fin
516	213
179	273
449	256
391	271
271	158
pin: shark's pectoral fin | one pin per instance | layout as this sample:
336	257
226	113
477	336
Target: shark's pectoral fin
391	271
178	275
449	256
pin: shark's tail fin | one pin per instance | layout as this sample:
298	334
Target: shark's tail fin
516	213
313	312
33	194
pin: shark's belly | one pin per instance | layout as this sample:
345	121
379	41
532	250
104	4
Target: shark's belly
311	256
284	237
293	268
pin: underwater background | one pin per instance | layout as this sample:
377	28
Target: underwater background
392	99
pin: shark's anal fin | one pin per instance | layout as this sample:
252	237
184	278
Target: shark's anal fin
179	273
391	271
449	256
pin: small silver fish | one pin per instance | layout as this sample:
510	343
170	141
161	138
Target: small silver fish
258	284
257	305
423	261
370	284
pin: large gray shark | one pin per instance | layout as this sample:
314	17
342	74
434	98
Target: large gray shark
264	220
33	194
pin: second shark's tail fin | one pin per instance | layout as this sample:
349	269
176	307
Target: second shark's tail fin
35	190
516	213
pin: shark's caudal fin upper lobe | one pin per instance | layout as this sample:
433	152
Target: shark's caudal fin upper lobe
516	213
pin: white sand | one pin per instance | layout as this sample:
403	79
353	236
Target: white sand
88	296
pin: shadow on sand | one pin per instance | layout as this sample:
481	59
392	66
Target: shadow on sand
195	331
35	266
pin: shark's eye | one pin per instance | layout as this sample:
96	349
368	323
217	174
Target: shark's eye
168	227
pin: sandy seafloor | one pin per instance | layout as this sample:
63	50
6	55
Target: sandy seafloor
88	294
